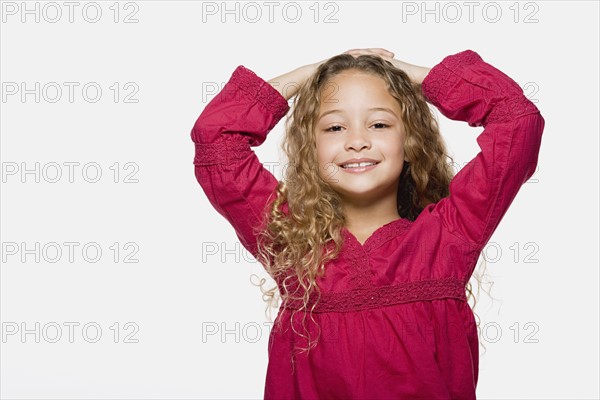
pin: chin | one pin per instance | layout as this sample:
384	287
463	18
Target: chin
359	194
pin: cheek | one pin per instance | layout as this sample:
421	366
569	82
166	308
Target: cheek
399	145
326	157
393	147
324	152
320	156
395	152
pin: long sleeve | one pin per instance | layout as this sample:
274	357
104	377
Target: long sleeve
239	117
464	87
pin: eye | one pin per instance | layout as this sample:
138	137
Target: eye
382	124
331	128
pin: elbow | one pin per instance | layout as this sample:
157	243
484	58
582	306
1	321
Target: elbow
199	131
537	130
206	128
532	142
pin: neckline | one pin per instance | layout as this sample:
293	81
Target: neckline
379	235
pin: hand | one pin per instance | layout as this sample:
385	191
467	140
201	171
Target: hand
383	53
374	51
289	83
416	73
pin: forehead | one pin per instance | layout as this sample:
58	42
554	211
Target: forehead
352	79
354	89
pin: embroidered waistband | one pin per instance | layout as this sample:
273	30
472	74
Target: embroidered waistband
381	296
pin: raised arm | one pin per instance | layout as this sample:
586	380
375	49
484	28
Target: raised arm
239	117
464	87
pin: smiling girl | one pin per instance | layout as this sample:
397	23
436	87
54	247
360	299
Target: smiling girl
370	238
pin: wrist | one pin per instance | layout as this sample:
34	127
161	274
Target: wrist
420	73
416	73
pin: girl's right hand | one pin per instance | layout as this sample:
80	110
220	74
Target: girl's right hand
288	84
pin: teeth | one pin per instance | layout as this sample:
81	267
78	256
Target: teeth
356	165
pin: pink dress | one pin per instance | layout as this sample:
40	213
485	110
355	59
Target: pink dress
394	319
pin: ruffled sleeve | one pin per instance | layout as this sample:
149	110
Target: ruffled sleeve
463	87
235	182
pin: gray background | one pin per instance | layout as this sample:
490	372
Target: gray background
197	326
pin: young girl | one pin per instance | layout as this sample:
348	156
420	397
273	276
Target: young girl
370	238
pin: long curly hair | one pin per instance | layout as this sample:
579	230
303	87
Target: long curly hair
294	247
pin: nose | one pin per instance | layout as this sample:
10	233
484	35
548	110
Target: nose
357	139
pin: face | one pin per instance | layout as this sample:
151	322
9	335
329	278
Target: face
359	119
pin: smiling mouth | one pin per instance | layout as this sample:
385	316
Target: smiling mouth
358	165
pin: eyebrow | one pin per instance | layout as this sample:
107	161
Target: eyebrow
370	109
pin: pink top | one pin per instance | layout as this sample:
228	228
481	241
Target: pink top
393	314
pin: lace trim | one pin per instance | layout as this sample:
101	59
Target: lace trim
440	82
254	87
508	109
357	256
229	148
466	57
379	237
364	293
361	273
382	296
223	151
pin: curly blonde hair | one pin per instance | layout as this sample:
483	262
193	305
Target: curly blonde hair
295	247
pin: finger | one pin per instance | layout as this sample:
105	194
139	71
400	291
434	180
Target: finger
378	51
373	50
362	50
384	51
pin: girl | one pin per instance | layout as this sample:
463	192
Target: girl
370	239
